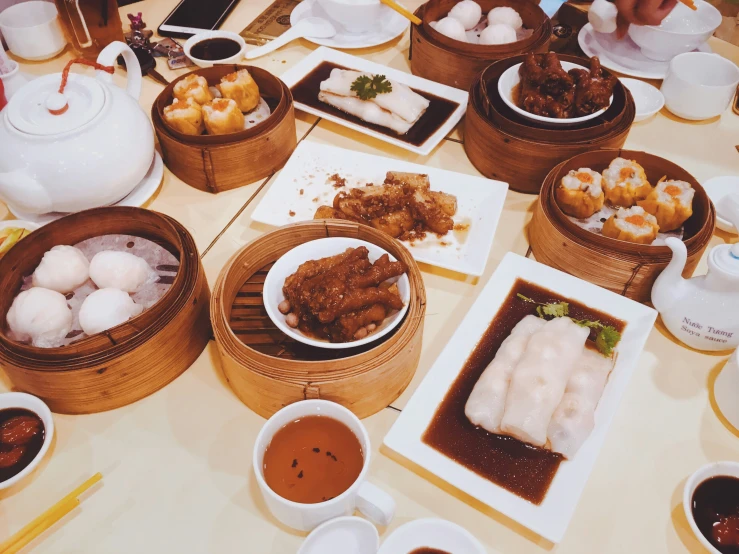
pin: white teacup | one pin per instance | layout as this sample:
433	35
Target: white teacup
355	16
699	85
32	30
370	500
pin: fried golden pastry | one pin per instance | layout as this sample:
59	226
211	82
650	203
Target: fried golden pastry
241	88
195	87
625	183
222	116
632	225
580	193
671	202
185	116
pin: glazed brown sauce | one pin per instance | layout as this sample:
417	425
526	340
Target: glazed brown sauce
312	459
522	469
439	110
212	49
427	550
21	438
716	511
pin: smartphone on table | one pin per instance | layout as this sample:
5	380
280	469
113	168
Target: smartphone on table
191	17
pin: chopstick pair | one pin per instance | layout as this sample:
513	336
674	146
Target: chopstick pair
43	522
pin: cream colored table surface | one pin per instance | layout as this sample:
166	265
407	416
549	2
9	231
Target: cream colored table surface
177	465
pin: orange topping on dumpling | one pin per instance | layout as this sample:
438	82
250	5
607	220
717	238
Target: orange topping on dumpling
672	190
636	220
231	77
179	105
192	86
220	104
626	172
585	177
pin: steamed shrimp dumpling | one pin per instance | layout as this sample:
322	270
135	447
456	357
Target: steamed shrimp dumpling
121	270
106	308
497	33
506	16
467	12
452	28
62	269
41	316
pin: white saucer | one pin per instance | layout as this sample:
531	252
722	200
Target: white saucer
390	26
716	189
136	198
648	99
623	56
432	533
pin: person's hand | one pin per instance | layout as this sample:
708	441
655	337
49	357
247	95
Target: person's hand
641	12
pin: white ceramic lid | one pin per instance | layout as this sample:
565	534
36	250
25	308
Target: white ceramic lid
347	535
725	258
29	112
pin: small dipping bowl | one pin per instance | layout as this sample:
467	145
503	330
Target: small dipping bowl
716	469
28	402
348	535
431	533
206	35
510	79
648	99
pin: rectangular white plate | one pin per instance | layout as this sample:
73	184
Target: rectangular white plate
293	75
551	518
479	200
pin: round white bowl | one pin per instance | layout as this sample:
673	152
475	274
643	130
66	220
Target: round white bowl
37	406
432	533
683	30
716	469
193	40
647	98
314	250
510	79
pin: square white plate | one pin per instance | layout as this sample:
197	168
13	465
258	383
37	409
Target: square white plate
479	200
293	75
551	518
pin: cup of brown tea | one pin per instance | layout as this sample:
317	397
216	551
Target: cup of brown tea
311	461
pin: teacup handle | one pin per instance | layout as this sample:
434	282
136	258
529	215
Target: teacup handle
376	504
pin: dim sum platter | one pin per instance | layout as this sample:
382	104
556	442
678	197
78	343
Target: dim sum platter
304	184
425	134
551	517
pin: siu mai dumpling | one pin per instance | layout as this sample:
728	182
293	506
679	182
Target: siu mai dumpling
223	116
632	225
625	183
580	193
671	202
241	88
195	87
185	116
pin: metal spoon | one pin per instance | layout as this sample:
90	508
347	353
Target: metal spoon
312	27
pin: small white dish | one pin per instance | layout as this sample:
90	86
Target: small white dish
389	25
136	198
623	55
716	189
314	250
37	406
715	469
550	518
205	35
295	74
510	79
348	535
648	99
726	390
303	185
434	533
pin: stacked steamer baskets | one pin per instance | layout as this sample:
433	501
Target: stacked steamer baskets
125	363
439	58
623	267
216	163
267	370
509	147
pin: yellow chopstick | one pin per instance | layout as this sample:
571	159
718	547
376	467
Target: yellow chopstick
58	512
402	11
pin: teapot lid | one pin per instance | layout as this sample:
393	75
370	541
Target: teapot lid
725	259
32	110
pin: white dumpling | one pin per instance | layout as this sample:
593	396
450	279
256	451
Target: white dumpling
121	270
63	269
41	316
467	12
497	34
106	308
506	16
452	28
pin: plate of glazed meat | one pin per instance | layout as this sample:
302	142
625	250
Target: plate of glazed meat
518	404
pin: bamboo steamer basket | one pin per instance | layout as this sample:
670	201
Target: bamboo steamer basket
130	361
437	57
216	163
267	370
625	268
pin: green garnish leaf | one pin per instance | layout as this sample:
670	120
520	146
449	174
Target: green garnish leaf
526	298
558	309
368	88
607	340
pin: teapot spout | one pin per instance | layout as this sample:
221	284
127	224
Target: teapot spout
21	191
668	288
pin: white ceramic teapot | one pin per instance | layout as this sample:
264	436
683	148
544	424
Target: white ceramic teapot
93	153
702	312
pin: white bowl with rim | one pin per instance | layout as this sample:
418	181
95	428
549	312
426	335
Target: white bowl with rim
29	402
647	98
315	250
431	532
510	80
205	35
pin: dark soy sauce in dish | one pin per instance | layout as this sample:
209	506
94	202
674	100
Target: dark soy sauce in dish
21	438
715	508
439	110
524	470
212	49
427	550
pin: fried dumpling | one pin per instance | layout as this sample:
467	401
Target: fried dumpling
195	87
625	183
241	88
580	193
185	116
632	225
223	116
671	202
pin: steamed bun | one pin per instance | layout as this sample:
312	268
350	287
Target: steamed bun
506	16
467	12
41	316
121	270
62	269
106	308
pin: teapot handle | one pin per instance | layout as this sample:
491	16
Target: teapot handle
108	57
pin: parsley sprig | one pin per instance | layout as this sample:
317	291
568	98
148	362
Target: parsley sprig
606	339
368	88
